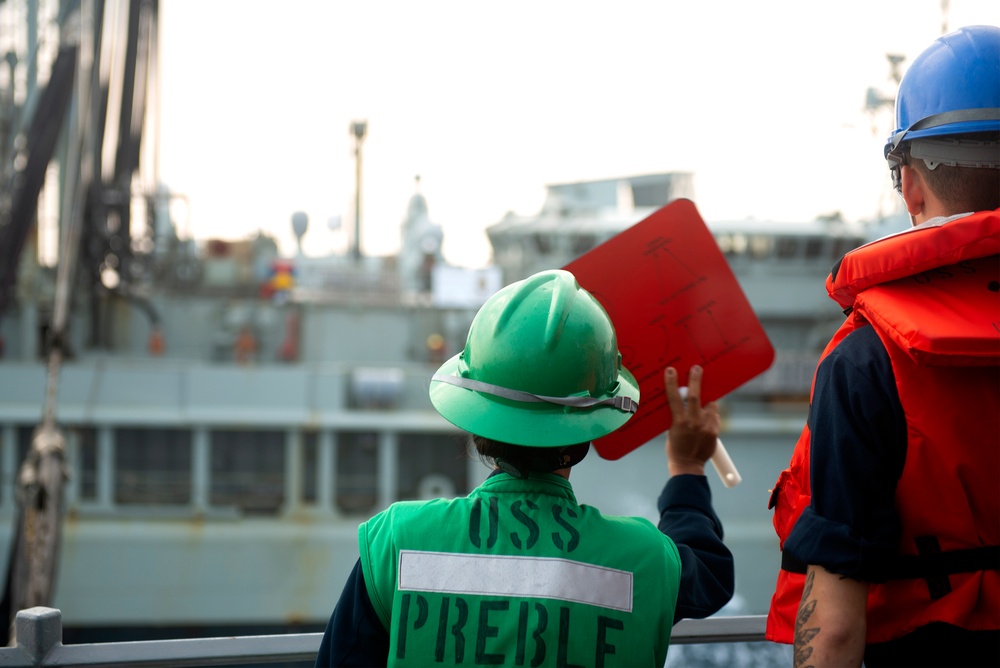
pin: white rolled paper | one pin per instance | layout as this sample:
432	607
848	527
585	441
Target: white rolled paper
724	466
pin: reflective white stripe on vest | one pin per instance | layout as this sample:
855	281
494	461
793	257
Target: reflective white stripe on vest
521	577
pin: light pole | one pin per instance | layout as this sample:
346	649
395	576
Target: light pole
358	129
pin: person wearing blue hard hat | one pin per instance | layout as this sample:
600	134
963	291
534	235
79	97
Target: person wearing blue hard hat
889	513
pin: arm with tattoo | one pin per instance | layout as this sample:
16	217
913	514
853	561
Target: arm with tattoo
830	626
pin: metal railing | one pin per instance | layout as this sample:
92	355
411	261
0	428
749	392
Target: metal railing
39	643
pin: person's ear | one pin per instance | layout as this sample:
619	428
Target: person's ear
913	189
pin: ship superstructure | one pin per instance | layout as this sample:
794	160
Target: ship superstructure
219	481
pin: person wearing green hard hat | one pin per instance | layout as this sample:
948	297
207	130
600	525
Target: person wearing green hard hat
518	572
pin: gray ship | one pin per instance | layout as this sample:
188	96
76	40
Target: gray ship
228	416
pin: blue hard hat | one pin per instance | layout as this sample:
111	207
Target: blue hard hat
952	88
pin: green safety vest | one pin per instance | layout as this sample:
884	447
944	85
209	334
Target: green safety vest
518	573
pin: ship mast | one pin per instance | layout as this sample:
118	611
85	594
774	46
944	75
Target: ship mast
358	130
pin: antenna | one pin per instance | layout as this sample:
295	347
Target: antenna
359	129
300	223
876	99
895	60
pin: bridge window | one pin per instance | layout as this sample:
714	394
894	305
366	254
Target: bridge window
786	247
357	471
433	466
732	244
248	470
87	473
583	243
543	242
310	458
843	244
725	243
152	466
761	246
814	247
24	436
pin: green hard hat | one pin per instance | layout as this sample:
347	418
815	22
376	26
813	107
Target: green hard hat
541	368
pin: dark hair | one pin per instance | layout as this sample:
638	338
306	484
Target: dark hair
520	459
961	189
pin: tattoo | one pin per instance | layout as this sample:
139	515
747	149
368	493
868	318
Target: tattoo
803	635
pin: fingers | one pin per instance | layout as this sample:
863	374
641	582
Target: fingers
673	392
677	396
693	403
685	402
711	417
712	410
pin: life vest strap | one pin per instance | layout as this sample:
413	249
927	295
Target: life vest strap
924	566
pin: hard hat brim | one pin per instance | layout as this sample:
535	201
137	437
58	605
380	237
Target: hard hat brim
541	425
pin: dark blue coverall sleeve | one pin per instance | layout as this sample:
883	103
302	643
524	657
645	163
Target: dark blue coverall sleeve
851	527
707	576
857	453
356	637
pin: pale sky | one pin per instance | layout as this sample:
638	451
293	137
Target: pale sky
489	102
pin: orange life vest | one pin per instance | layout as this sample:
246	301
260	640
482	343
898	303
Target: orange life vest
932	293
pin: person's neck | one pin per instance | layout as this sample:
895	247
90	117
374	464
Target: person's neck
932	208
563	473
